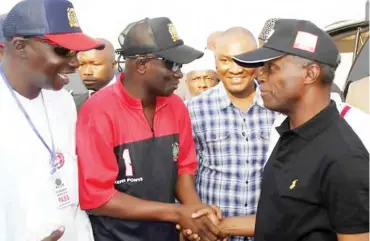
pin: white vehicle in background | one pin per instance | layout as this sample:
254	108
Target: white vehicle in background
351	37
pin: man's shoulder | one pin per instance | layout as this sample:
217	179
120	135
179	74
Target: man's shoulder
103	97
353	115
206	98
344	137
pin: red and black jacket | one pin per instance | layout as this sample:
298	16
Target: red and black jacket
119	152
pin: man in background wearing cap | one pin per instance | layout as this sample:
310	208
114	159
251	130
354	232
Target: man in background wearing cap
135	146
37	142
356	118
231	131
201	74
2	39
316	182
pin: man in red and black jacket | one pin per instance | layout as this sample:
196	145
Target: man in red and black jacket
135	148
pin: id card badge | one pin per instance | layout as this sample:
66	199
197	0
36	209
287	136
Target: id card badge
61	191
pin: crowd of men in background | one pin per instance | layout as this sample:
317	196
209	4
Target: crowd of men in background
257	143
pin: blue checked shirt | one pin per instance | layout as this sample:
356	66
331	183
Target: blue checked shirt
231	148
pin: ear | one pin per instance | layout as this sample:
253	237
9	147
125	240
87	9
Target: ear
312	74
114	64
254	73
19	45
141	66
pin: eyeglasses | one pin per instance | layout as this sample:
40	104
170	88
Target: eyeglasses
59	50
174	67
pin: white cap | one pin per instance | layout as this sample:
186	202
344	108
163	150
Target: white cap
207	62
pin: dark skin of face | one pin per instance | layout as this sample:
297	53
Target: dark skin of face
97	67
38	66
293	88
159	79
147	79
200	80
281	83
238	81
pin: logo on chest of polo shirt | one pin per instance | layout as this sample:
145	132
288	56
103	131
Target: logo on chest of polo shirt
292	186
129	176
175	151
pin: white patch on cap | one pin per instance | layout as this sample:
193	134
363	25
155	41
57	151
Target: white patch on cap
305	41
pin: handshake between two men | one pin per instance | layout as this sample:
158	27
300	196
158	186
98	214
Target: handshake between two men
210	225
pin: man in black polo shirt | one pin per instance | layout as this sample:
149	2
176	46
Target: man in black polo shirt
315	185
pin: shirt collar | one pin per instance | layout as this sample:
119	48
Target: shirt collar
132	102
315	125
224	100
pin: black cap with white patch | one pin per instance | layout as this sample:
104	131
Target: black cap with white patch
294	37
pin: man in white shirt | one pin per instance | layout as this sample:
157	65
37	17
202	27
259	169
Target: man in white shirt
39	190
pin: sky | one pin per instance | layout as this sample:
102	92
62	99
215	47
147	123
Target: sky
195	19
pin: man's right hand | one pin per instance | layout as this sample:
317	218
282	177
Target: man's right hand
202	226
55	235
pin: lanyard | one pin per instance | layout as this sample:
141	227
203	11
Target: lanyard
21	108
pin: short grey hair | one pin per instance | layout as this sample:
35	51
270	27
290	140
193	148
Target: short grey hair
327	73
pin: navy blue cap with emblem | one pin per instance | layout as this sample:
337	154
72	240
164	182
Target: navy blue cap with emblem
56	20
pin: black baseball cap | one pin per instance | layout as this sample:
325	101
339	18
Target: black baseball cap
293	37
156	36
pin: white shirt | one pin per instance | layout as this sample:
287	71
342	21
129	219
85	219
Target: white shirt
28	203
109	84
357	119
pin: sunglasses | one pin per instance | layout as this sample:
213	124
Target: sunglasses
174	67
58	50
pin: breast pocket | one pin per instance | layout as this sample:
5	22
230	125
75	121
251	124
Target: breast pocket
297	190
217	144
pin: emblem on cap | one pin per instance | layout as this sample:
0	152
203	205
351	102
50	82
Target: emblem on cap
306	41
175	151
173	32
72	18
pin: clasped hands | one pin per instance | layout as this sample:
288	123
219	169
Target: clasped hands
203	225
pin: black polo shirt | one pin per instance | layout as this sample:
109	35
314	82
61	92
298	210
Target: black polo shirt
316	182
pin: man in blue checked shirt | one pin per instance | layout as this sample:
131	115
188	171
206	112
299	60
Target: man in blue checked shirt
231	131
